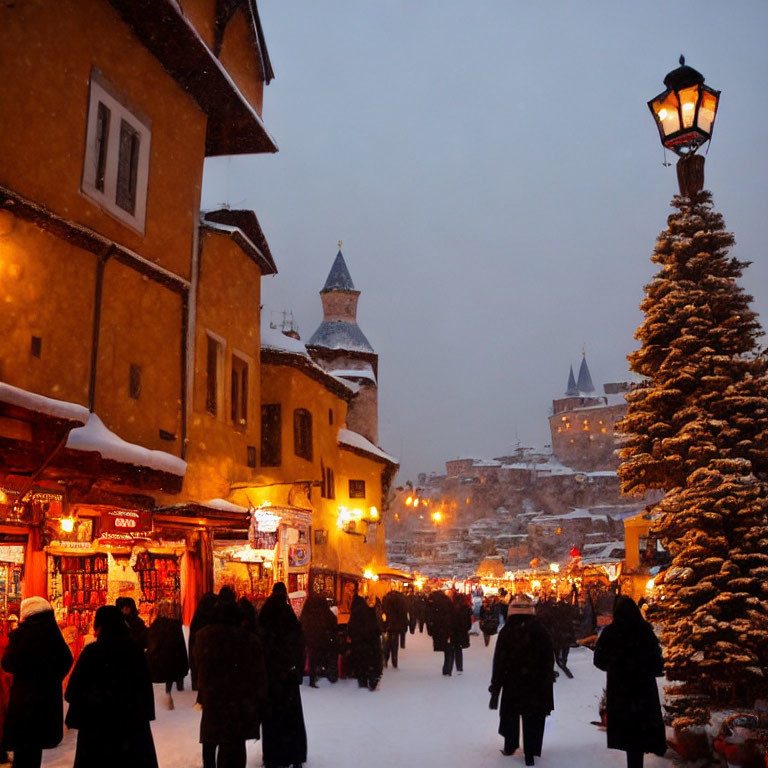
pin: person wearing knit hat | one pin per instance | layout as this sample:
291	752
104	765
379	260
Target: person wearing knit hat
523	674
38	658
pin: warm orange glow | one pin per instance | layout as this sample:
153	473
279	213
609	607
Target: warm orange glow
409	501
373	513
67	524
437	517
416	502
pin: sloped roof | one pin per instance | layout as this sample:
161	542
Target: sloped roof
571	389
339	278
585	379
244	228
342	335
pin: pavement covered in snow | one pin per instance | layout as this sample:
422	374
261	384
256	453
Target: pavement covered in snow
416	717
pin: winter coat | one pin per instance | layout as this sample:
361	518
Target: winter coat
489	618
284	736
166	650
395	610
38	658
523	664
319	625
111	703
202	618
231	681
365	656
629	652
137	629
461	622
439	619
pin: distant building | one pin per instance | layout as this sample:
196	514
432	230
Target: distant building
342	349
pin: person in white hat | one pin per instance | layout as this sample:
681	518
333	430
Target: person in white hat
523	673
38	658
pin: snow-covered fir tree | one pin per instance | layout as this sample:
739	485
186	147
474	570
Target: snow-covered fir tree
697	429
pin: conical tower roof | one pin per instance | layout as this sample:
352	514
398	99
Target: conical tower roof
339	278
585	384
572	390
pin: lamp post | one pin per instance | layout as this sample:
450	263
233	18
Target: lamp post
685	116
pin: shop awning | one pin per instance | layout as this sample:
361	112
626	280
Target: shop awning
217	514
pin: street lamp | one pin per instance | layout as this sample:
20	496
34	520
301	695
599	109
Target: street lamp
685	116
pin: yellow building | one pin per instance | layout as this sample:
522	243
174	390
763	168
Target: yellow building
111	292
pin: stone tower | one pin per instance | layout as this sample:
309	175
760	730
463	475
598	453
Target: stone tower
340	347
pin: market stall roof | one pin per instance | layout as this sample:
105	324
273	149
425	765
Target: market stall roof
215	513
13	399
394	574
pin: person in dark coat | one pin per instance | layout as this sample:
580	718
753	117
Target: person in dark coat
523	674
232	687
489	619
364	638
320	629
38	658
284	737
439	624
246	612
110	699
203	616
167	649
629	652
461	623
137	629
417	610
395	614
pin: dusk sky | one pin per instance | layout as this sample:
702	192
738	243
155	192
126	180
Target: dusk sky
496	179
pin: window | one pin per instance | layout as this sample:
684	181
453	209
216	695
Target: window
239	392
134	381
36	347
357	489
251	451
270	435
116	166
213	363
302	433
330	415
329	484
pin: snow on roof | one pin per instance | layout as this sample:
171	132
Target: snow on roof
94	436
340	334
274	338
364	372
225	506
355	440
59	409
574	514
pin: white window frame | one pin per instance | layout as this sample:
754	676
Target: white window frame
102	93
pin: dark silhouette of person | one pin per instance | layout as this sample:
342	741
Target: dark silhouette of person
111	701
38	658
628	650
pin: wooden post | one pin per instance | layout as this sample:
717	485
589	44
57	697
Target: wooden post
690	175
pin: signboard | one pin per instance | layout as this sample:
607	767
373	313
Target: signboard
124	526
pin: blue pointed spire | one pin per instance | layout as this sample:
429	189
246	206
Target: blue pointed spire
585	379
339	278
572	390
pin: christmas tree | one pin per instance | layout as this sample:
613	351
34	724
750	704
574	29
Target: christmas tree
697	429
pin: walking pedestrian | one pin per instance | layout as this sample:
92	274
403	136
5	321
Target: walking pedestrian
167	649
38	658
395	614
232	687
523	675
489	619
137	629
284	736
202	617
110	699
320	629
628	650
364	638
439	624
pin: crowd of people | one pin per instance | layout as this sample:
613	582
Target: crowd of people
247	667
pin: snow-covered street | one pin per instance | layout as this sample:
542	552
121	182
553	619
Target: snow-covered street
417	717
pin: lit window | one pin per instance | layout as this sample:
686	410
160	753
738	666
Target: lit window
116	167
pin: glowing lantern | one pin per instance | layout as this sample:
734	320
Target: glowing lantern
67	524
437	517
409	501
685	112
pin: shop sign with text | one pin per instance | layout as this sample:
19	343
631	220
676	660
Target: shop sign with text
123	526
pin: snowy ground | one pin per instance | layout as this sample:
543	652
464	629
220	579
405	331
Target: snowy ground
417	717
